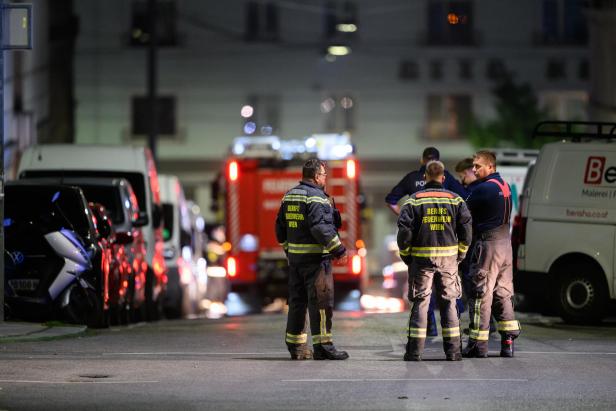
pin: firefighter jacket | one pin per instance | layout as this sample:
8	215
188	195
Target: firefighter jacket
414	182
434	223
305	225
490	203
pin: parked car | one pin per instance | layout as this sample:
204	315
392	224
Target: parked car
132	163
182	288
117	289
56	265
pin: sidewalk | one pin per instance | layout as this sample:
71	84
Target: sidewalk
22	331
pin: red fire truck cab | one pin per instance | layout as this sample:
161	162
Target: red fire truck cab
258	172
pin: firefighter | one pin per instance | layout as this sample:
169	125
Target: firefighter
434	233
305	228
411	183
491	262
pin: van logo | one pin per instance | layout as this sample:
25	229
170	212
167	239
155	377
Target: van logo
596	173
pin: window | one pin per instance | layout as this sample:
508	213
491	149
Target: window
562	22
263	116
495	69
584	70
165	115
166	18
555	69
262	22
339	112
436	70
450	23
565	105
340	21
447	116
408	70
466	69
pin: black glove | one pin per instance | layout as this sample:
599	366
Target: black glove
460	258
339	252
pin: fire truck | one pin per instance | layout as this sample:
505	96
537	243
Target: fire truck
257	174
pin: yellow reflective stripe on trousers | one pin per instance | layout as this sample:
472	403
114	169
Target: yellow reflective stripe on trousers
451	332
335	242
322	339
512	325
296	339
477	316
417	332
434	251
479	335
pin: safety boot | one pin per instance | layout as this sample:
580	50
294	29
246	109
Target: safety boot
327	351
475	350
414	348
299	352
507	346
453	357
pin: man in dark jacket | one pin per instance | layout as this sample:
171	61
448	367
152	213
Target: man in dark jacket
413	182
305	228
434	233
491	263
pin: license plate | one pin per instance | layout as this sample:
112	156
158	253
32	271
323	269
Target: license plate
24	284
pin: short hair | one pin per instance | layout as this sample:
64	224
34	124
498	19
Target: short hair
430	153
464	165
486	155
434	170
311	168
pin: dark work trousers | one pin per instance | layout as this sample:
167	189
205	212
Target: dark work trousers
443	272
492	287
311	287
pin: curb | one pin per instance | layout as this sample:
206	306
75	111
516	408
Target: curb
46	333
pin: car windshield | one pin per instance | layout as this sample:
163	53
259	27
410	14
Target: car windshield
33	205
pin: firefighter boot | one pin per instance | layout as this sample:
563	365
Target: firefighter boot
414	348
299	352
475	349
327	351
507	346
452	347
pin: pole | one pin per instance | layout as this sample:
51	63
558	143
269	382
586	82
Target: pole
152	77
2	274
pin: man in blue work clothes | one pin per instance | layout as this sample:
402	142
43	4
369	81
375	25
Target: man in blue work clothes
306	229
412	183
491	267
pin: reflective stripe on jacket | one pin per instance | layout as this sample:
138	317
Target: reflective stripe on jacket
305	224
434	223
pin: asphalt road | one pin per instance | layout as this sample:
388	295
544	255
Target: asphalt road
241	364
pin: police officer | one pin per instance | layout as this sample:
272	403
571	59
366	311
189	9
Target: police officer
491	263
305	227
434	233
413	182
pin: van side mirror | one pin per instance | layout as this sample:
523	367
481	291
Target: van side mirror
124	238
141	220
157	215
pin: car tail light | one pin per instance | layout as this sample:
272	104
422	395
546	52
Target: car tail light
356	264
231	266
234	171
351	169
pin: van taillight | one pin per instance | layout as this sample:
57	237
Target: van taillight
518	235
234	171
231	266
351	169
356	264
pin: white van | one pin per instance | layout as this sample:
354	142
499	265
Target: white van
565	234
182	298
133	163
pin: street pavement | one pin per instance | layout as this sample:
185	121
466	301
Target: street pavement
241	363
